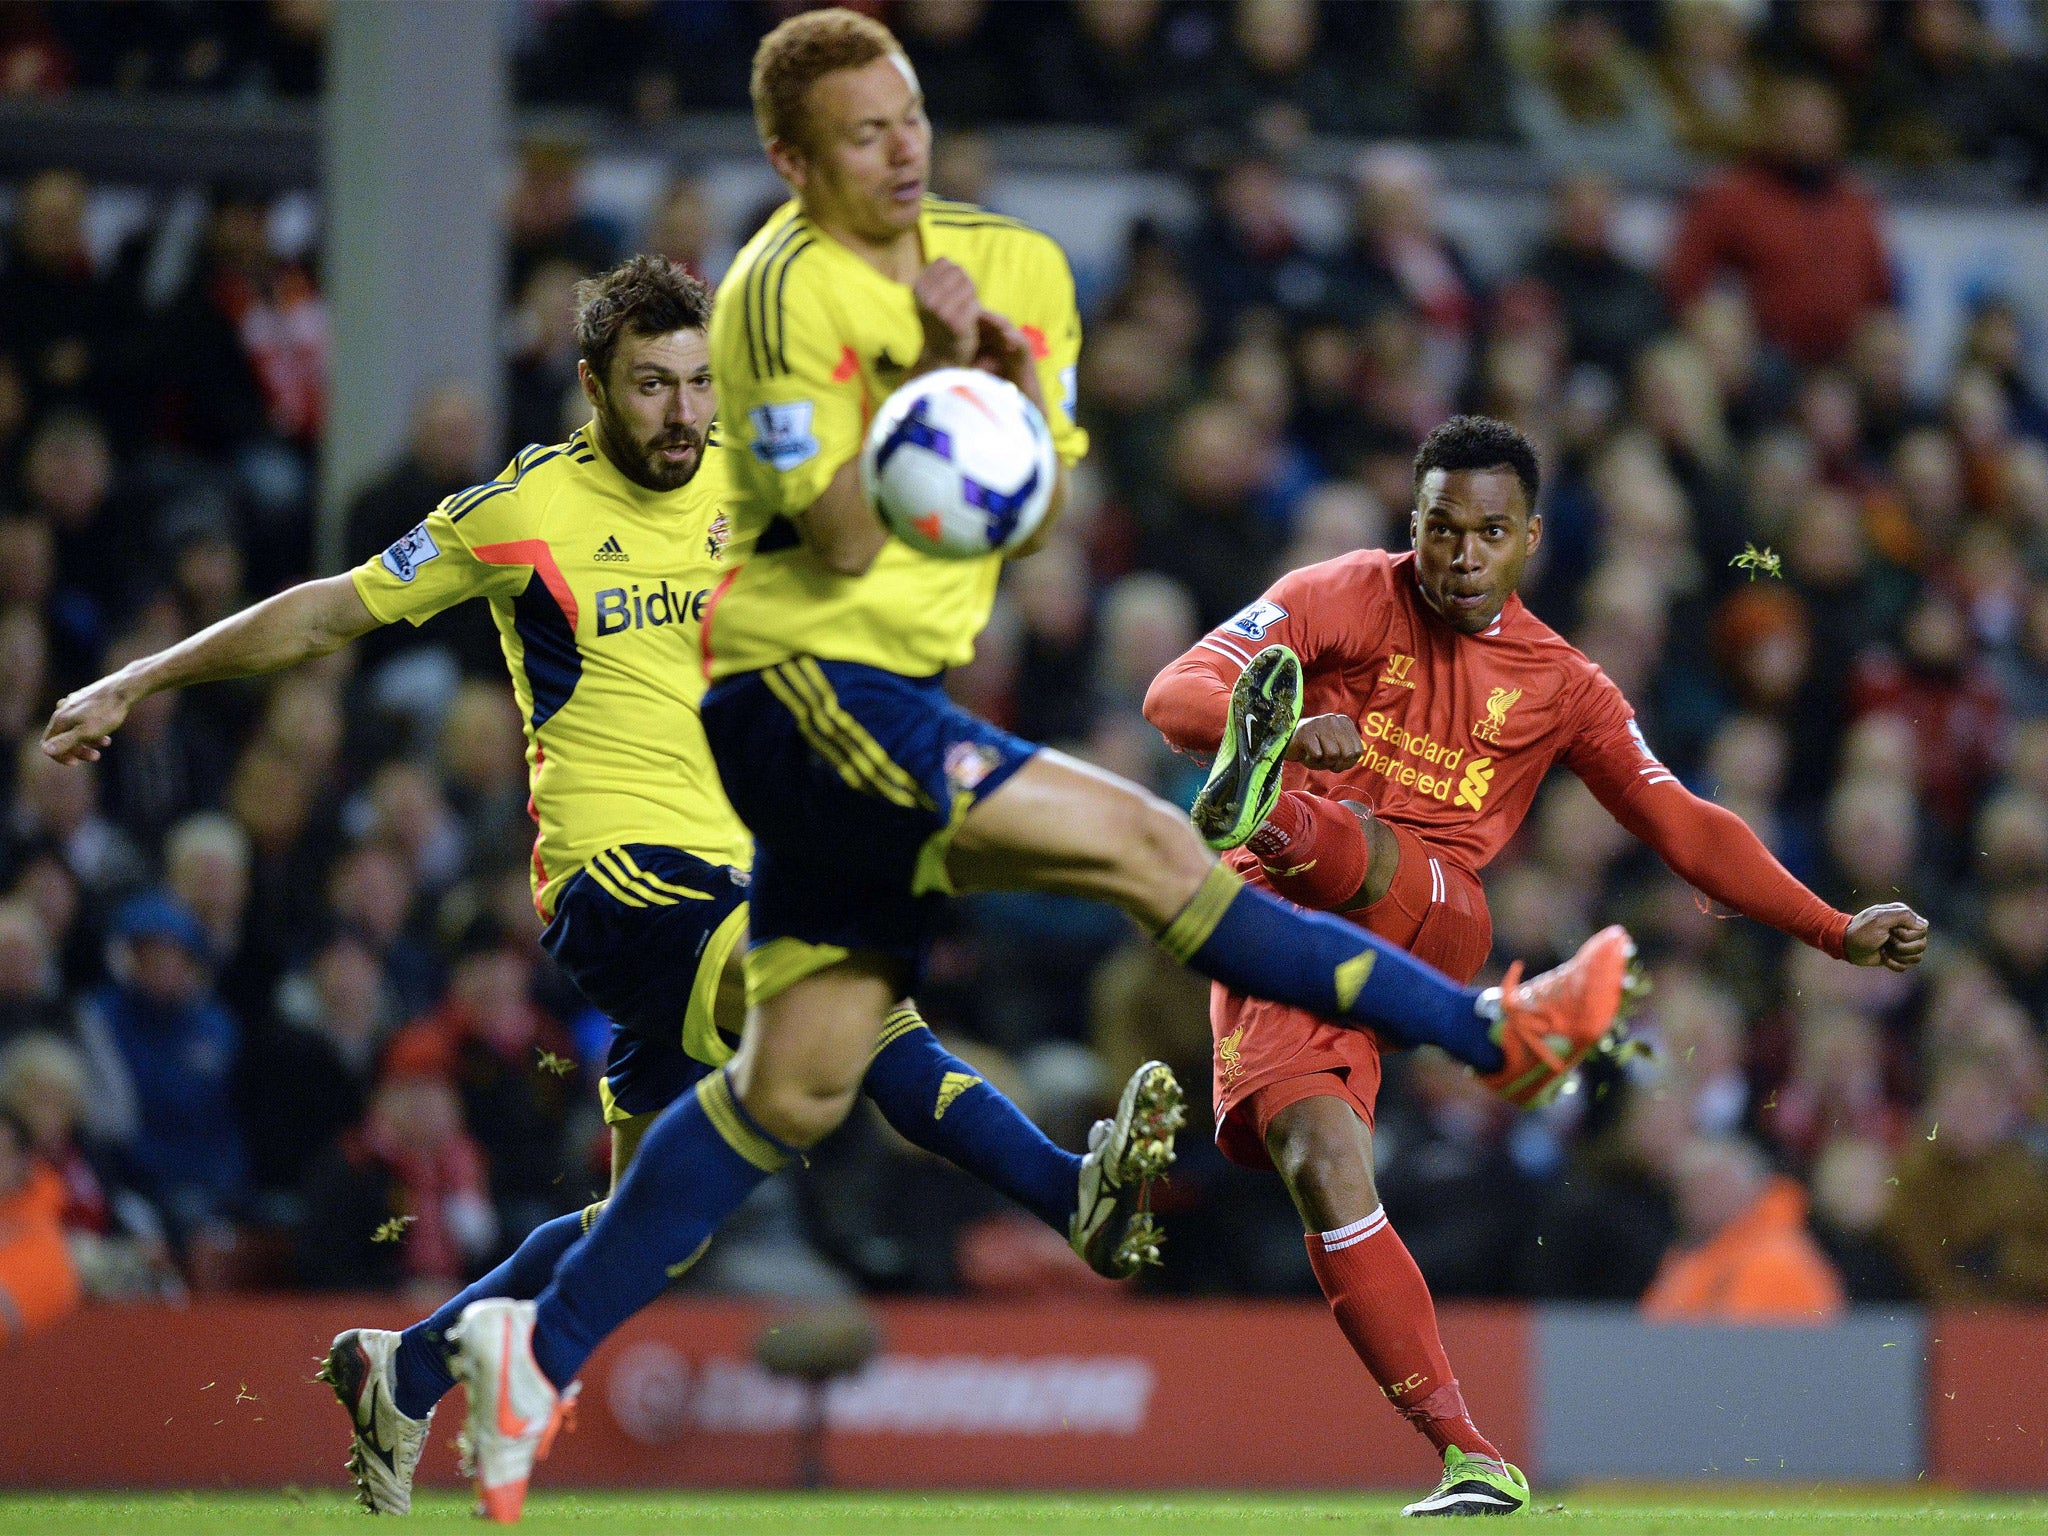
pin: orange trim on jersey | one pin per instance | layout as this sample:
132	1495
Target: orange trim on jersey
534	552
849	365
1040	348
711	612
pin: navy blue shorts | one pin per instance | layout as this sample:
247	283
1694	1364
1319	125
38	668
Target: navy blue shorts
645	932
853	781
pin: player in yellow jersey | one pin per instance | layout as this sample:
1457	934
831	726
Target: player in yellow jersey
870	795
597	557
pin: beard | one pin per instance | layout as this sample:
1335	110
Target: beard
642	462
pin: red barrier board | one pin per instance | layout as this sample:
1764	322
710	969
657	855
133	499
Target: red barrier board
1155	1394
1987	1397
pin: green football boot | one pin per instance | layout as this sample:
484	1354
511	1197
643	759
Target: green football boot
1472	1486
1265	707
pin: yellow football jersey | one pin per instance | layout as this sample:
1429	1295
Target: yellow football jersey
598	587
807	340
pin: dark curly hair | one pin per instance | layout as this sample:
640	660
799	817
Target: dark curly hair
647	295
1480	442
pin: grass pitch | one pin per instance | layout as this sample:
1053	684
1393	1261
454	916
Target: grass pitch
1778	1511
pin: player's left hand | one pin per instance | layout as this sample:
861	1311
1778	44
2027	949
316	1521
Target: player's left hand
1892	935
1003	350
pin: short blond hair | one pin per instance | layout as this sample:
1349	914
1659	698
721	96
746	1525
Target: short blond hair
800	52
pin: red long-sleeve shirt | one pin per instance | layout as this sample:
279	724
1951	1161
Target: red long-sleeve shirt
1813	262
1461	729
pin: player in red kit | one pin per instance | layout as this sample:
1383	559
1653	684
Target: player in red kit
1381	725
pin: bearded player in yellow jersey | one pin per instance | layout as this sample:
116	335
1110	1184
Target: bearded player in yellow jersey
870	795
598	557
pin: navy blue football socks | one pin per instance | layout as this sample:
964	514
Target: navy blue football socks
938	1102
698	1161
1257	944
421	1365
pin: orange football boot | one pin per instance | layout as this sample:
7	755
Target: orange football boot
1552	1023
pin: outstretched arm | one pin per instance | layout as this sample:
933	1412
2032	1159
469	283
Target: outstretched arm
305	621
1714	850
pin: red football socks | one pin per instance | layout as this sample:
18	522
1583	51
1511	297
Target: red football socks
1313	850
1383	1306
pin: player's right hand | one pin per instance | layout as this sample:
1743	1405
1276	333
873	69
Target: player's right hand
85	721
950	313
1326	741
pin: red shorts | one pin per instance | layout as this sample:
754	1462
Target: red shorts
1269	1056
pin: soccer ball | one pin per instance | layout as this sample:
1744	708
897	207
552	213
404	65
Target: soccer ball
959	463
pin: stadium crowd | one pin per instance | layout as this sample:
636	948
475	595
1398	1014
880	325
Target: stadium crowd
272	1007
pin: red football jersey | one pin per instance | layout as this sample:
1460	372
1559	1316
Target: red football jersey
1460	729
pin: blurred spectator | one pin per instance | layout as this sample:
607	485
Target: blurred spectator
1584	94
1397	256
1797	229
38	1283
1969	1220
1274	79
1851	1193
1209	534
1437	77
58	316
30	1000
58	807
1611	307
615	55
401	1201
1447	1178
1996	342
1098	61
1744	1254
166	763
541	389
683	226
163	1053
115	1238
306	1074
449	450
544	218
1712	86
510	1064
1944	95
1601	1228
1247	255
952	45
1839	43
1937	683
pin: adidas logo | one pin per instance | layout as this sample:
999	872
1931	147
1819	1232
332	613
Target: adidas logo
609	550
951	1086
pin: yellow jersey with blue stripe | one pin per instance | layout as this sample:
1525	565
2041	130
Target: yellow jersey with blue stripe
598	587
807	340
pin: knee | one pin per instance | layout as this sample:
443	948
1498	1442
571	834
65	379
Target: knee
1329	1174
799	1107
1160	859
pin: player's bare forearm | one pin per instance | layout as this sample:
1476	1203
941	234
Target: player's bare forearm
311	619
840	528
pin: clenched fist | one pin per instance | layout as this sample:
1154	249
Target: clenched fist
1326	741
1892	935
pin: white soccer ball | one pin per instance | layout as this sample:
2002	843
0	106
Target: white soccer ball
959	463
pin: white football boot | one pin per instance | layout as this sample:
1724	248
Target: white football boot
388	1444
1113	1227
514	1410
